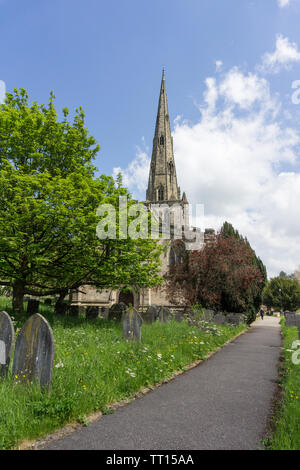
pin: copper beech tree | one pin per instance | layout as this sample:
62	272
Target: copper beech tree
225	275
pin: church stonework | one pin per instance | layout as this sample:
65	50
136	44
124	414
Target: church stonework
162	191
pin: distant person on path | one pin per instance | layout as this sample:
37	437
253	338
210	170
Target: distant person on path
262	312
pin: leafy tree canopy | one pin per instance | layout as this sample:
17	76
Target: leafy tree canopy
48	200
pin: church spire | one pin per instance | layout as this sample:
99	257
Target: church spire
162	185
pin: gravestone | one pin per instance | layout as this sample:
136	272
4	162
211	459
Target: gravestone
116	311
73	310
104	311
32	306
164	314
290	318
208	315
60	308
151	314
132	324
34	352
219	318
177	316
92	311
232	318
7	334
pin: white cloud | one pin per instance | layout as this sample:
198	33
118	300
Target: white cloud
135	176
283	3
232	161
285	54
2	91
219	65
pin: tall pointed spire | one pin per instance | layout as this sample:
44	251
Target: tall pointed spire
162	185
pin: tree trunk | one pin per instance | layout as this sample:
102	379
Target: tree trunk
60	306
18	298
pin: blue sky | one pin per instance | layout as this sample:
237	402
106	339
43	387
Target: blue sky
107	56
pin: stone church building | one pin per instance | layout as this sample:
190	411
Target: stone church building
163	191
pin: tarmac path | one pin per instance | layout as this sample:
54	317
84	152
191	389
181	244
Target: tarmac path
223	403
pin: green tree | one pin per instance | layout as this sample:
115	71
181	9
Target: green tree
282	293
49	196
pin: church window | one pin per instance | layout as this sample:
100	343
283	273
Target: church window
161	194
161	140
171	171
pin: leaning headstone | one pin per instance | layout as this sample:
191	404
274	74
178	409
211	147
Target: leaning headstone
132	324
34	352
116	311
151	314
164	314
7	334
32	306
92	311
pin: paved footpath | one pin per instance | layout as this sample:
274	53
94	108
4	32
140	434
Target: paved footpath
223	403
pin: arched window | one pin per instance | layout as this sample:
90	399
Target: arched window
161	193
162	140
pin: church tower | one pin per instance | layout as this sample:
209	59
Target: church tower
162	184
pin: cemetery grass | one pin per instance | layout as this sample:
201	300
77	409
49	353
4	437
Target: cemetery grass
285	434
95	367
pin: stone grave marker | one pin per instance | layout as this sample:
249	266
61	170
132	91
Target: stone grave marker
73	310
34	352
7	334
164	314
132	324
32	306
116	311
60	308
208	315
151	314
92	311
290	318
219	318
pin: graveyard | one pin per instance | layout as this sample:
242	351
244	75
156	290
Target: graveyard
97	362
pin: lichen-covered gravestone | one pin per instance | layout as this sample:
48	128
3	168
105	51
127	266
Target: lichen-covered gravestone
32	306
34	352
151	314
132	324
92	311
164	314
116	311
7	334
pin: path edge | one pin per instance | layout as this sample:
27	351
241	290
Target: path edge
73	426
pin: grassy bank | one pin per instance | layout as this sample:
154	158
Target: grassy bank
286	432
94	367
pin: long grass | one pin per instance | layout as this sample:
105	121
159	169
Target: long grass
94	367
286	432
